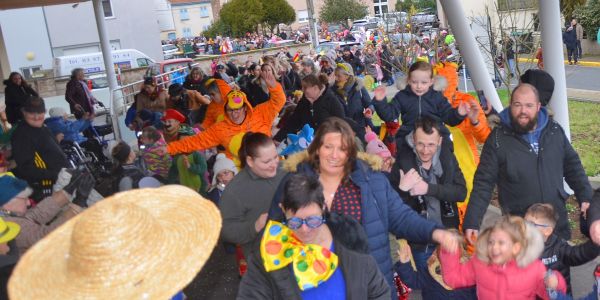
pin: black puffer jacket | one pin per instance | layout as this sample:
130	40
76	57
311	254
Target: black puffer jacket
361	274
524	177
313	114
560	256
15	96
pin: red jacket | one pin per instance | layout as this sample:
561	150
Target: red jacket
508	281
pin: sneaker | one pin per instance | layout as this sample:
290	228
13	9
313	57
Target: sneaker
570	63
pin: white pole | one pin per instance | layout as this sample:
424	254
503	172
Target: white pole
470	52
554	60
108	65
465	76
314	33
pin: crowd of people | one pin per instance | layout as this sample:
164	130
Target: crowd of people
322	189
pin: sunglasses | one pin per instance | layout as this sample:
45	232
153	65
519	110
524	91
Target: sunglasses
312	222
539	225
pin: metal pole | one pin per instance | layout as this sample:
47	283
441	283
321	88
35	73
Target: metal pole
108	65
470	51
311	23
554	60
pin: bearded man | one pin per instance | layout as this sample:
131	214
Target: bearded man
527	156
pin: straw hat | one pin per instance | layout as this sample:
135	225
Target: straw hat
139	244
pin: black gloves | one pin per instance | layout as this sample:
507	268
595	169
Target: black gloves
74	182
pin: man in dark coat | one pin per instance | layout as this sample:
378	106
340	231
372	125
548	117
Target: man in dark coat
16	92
429	181
357	65
527	156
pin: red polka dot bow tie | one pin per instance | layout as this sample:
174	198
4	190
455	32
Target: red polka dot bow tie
312	264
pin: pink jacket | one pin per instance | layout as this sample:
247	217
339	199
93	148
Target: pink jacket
498	282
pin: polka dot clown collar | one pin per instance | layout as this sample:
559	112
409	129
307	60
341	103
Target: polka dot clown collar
312	264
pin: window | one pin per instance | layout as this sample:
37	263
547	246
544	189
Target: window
108	11
302	16
187	32
29	72
143	62
504	5
377	12
183	14
171	36
205	27
384	9
204	12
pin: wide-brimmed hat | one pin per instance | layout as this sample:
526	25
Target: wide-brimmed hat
139	244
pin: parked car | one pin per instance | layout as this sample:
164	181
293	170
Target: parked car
170	51
424	19
325	47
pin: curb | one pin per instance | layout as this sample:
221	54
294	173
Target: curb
579	63
595	182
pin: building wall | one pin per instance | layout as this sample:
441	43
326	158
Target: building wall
24	40
164	17
191	19
133	25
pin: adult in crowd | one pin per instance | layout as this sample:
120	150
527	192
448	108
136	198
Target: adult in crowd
38	155
357	66
51	212
316	105
245	214
187	102
196	81
387	64
370	61
508	52
78	95
354	97
240	118
429	181
17	90
308	67
215	111
527	156
352	187
255	88
168	234
348	274
289	79
70	131
578	35
151	98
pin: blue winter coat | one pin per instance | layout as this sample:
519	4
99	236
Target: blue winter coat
383	211
355	98
71	129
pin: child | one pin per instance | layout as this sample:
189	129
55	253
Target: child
188	169
428	280
157	163
558	254
416	100
223	171
126	173
506	264
377	147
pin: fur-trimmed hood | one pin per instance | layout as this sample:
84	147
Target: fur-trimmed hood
530	252
439	83
292	162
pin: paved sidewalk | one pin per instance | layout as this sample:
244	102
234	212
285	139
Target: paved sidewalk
588	61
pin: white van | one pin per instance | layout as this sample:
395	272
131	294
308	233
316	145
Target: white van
94	62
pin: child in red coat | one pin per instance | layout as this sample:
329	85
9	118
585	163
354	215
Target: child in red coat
506	264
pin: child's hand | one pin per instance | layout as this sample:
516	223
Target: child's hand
379	93
404	253
368	129
448	240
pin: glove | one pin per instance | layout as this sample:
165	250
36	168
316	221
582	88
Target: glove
74	182
86	184
101	104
